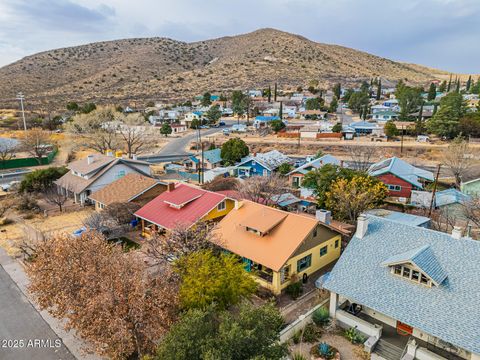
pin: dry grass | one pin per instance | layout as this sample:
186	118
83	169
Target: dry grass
155	68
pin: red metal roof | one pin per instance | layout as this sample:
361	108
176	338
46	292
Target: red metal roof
196	204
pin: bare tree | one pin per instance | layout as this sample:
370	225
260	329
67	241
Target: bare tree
458	159
103	139
35	141
180	241
361	156
133	133
56	195
8	148
262	189
106	295
471	210
220	183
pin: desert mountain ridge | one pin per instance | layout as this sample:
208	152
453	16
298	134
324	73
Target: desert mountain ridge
142	69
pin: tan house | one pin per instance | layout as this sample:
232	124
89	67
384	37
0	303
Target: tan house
132	187
278	246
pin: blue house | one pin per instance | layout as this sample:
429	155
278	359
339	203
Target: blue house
262	121
364	127
262	164
412	292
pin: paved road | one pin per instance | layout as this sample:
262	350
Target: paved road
19	321
177	146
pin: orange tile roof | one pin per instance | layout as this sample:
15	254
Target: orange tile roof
271	250
123	189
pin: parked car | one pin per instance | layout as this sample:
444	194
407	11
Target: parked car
222	123
226	132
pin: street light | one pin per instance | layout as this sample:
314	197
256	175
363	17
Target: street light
21	97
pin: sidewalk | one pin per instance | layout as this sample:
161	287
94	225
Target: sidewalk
74	344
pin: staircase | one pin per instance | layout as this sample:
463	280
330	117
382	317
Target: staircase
387	351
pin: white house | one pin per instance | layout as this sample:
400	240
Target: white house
96	171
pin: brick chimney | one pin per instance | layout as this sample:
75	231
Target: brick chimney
170	187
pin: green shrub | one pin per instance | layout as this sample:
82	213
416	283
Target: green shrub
298	356
40	180
354	336
321	316
294	289
296	337
311	333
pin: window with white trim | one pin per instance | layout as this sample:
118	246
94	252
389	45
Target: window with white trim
408	272
222	206
394	187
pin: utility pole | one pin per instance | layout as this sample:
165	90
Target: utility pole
21	97
434	190
401	144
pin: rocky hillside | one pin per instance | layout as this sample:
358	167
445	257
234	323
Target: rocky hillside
158	68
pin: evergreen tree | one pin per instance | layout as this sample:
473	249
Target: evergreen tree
457	87
469	83
337	90
275	93
449	86
269	94
432	92
379	89
280	112
206	99
443	86
420	113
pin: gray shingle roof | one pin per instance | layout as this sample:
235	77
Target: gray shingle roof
450	311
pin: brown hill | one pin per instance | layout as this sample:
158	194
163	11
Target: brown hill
160	68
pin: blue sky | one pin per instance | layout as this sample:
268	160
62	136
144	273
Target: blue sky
439	33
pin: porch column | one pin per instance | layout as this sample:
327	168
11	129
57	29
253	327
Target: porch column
333	304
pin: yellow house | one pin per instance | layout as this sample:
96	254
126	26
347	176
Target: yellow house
182	205
278	246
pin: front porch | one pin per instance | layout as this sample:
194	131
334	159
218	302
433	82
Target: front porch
390	339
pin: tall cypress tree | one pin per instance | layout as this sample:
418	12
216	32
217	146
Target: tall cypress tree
432	92
457	86
280	112
269	94
449	86
275	93
420	113
469	83
379	89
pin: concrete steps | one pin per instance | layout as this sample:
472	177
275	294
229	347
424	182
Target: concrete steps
387	351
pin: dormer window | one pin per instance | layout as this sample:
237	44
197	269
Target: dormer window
418	265
408	272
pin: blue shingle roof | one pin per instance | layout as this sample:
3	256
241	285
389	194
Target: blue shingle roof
449	311
424	258
213	156
266	118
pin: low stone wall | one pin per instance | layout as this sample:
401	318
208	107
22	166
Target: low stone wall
299	324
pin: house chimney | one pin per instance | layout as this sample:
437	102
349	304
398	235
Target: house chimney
170	186
324	216
134	157
90	159
362	226
457	232
109	153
